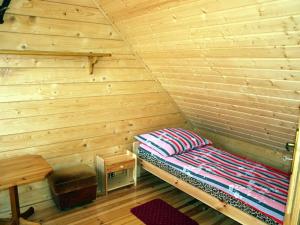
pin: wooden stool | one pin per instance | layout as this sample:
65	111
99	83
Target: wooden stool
73	186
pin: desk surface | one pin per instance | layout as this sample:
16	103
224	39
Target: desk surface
22	170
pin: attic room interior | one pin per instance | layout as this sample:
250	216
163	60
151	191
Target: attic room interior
162	112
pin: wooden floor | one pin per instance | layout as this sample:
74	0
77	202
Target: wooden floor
115	208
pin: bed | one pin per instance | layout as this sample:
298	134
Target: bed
248	192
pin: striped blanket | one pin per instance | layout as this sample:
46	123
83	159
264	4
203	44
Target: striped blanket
255	188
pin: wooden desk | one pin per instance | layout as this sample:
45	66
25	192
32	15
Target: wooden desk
17	171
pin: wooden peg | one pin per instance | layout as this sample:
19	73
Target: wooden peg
92	61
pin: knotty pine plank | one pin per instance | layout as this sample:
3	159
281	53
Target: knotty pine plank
237	114
114	135
251	135
21	125
263	25
240	108
236	102
10	110
50	26
257	63
264	10
272	84
48	137
31	92
237	52
123	61
139	10
24	41
238	123
257	40
15	76
240	136
56	10
291	104
89	4
239	120
251	73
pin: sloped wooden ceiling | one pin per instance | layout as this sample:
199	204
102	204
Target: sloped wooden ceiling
231	66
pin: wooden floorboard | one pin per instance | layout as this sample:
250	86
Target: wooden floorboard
114	209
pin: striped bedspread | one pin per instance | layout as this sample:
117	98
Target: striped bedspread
252	187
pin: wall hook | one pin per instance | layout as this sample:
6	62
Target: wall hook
3	8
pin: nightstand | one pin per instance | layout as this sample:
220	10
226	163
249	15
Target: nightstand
116	171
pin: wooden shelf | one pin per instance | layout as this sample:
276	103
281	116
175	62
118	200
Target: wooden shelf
53	53
92	57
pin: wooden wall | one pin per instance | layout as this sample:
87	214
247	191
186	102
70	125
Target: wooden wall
50	105
232	68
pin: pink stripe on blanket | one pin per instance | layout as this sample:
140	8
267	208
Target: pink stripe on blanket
220	178
229	168
276	172
242	161
263	178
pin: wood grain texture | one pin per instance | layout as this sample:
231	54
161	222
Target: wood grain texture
52	107
58	10
114	209
22	170
247	150
233	68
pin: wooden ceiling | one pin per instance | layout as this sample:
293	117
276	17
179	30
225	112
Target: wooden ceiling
231	68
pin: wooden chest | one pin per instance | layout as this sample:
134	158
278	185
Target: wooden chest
73	186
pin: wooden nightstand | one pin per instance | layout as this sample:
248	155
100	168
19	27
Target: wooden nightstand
116	171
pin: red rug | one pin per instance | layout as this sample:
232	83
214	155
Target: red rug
158	212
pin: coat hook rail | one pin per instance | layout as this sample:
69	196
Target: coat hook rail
92	57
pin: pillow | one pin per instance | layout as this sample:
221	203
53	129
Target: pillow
151	150
172	141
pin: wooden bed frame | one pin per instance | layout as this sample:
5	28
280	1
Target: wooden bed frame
292	209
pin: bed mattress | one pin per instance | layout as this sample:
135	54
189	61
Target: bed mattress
256	189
